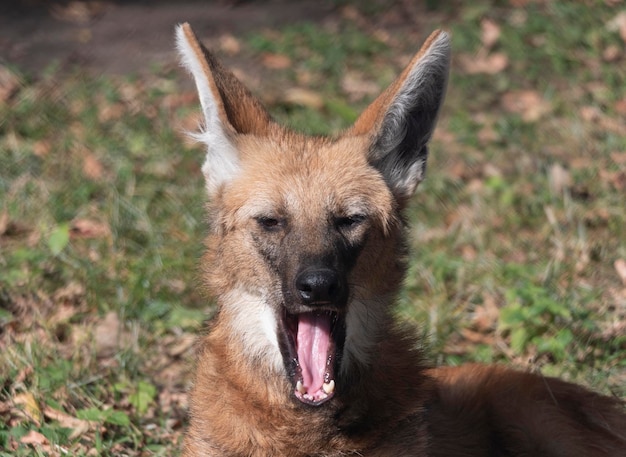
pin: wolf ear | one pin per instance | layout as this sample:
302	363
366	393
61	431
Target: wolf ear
402	119
229	109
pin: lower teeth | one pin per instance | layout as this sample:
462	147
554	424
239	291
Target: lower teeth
329	387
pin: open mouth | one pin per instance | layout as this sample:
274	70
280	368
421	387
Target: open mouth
314	339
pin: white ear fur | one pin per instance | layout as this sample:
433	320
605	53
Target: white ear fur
400	150
222	160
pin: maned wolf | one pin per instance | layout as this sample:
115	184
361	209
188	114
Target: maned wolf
306	253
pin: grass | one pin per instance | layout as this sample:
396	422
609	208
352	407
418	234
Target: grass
515	232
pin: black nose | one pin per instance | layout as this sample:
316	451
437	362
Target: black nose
319	286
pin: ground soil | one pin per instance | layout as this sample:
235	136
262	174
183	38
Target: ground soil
129	36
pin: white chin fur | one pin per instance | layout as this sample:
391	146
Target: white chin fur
254	328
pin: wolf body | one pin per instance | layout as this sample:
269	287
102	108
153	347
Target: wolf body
306	253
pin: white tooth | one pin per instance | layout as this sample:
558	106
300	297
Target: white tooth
300	387
329	387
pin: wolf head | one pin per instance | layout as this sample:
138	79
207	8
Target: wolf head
306	249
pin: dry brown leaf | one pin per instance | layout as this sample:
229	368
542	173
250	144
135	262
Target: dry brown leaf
560	178
486	315
303	97
185	98
611	53
33	437
28	405
491	171
357	87
182	345
78	426
41	148
229	44
618	24
89	228
23	374
169	400
468	252
590	113
110	111
4	222
529	104
276	61
107	335
619	181
620	268
490	33
620	106
9	84
475	337
487	134
618	157
581	163
79	12
92	167
490	64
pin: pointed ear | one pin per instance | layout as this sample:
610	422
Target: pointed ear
228	107
402	119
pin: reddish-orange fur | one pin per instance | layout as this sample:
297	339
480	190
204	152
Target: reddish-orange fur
389	402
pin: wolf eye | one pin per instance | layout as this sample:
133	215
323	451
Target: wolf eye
268	223
349	222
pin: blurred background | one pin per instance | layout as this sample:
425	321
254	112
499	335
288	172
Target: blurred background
517	234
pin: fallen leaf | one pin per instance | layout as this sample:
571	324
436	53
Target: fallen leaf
70	292
492	171
486	315
4	222
41	148
468	253
9	84
110	111
107	335
611	53
92	167
475	337
616	178
590	113
487	134
620	268
529	104
28	406
78	426
620	106
357	87
182	345
303	97
618	24
229	44
560	178
79	12
89	228
616	157
33	437
23	374
490	64
490	33
276	61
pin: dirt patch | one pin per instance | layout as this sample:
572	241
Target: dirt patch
126	37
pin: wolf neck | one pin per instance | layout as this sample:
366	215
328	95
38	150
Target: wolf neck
234	382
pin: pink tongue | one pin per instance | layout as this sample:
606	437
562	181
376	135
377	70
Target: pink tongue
313	341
